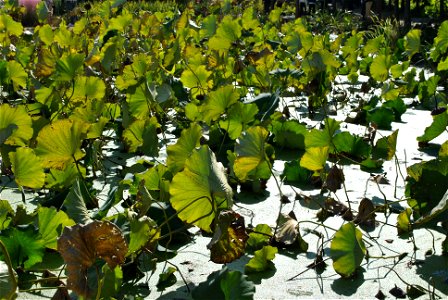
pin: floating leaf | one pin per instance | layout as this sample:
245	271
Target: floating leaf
225	285
81	245
262	260
229	239
201	189
27	168
59	143
187	142
314	158
251	159
347	250
15	125
51	223
166	279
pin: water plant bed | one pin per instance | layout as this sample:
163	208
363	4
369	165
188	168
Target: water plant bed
220	152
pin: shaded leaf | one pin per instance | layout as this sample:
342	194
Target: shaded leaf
6	214
8	285
15	125
201	189
75	203
229	239
111	282
81	245
334	180
187	142
397	293
238	116
144	234
218	102
288	233
438	125
366	213
385	147
166	279
347	250
235	285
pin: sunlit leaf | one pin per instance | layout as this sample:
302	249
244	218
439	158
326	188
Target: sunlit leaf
46	34
51	223
352	145
438	125
314	158
144	234
142	135
412	42
88	88
288	233
17	75
404	221
289	134
323	137
347	250
197	78
60	179
9	26
379	69
68	66
6	214
187	142
59	143
229	239
385	147
15	125
27	168
201	189
262	260
259	237
238	116
81	245
218	102
166	279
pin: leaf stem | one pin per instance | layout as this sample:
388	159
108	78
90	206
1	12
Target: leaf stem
10	270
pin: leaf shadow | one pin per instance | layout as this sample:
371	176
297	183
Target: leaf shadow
249	197
240	263
434	270
348	286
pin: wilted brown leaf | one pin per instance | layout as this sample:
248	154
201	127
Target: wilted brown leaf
81	245
229	240
366	213
288	232
334	180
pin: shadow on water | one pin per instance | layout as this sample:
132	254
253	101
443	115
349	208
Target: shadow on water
434	270
348	286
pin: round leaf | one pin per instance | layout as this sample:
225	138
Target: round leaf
27	168
15	125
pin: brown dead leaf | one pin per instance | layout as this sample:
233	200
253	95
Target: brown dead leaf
81	245
230	237
366	213
334	180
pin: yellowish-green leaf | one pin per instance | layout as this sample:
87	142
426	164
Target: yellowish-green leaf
15	125
51	223
314	158
27	168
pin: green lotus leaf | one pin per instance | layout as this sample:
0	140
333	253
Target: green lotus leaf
259	237
24	246
27	168
179	152
59	143
142	135
314	158
412	42
60	179
323	137
6	214
51	223
381	116
351	144
385	147
228	32
75	203
208	26
443	151
404	221
441	41
166	278
134	72
157	179
238	116
252	161
218	102
68	66
88	88
290	134
229	239
15	125
250	18
437	127
17	75
197	79
398	69
111	282
379	69
347	250
398	106
294	173
373	46
144	234
140	101
224	285
262	260
9	26
201	190
46	34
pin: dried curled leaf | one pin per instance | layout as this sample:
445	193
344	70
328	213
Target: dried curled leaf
366	213
334	180
229	241
81	245
288	232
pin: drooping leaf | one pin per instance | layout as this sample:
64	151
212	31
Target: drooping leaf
201	189
187	142
75	203
27	168
229	239
81	245
262	260
314	158
347	250
438	125
438	210
51	223
334	180
24	246
385	147
267	103
288	233
15	125
366	213
59	143
251	160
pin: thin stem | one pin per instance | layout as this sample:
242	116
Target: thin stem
8	262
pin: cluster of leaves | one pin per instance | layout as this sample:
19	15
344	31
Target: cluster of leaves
214	80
